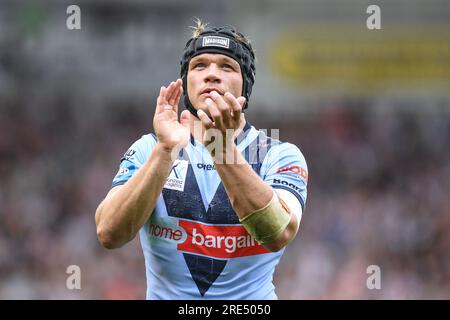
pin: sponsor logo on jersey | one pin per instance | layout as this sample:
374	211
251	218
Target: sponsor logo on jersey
295	169
177	175
165	232
287	184
217	241
205	166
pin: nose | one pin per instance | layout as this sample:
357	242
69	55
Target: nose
212	74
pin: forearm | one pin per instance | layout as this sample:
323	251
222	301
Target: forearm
249	193
246	190
261	211
123	213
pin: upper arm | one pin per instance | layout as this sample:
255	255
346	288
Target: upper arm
285	170
133	159
111	192
294	206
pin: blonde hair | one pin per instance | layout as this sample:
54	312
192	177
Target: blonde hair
198	28
201	26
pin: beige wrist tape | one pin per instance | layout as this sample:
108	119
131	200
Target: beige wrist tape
266	224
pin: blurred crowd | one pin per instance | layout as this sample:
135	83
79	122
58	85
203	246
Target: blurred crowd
73	101
378	195
379	185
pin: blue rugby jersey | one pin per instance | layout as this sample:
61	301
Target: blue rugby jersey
194	245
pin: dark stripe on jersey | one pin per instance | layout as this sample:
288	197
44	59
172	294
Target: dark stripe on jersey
189	205
204	270
257	150
220	210
186	204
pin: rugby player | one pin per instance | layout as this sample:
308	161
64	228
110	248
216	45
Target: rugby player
213	221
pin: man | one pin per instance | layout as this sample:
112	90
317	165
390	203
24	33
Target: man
215	200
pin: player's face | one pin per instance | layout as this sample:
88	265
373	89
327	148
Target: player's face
210	71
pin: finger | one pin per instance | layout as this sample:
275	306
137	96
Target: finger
168	106
236	107
163	94
170	91
174	96
178	92
241	101
178	86
177	99
222	105
161	101
184	118
215	113
206	121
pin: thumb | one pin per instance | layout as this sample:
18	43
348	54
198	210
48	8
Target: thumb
184	118
241	101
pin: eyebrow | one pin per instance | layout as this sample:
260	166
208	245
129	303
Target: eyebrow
221	59
195	59
229	60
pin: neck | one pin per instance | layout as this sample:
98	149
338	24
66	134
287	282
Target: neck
198	131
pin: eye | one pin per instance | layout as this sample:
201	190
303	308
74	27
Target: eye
227	66
198	65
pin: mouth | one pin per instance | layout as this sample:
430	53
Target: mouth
208	91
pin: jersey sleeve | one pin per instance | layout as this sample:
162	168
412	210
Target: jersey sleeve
285	168
134	158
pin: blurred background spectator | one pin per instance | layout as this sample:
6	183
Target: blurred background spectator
370	110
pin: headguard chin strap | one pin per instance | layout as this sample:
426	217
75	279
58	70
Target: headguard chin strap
221	40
